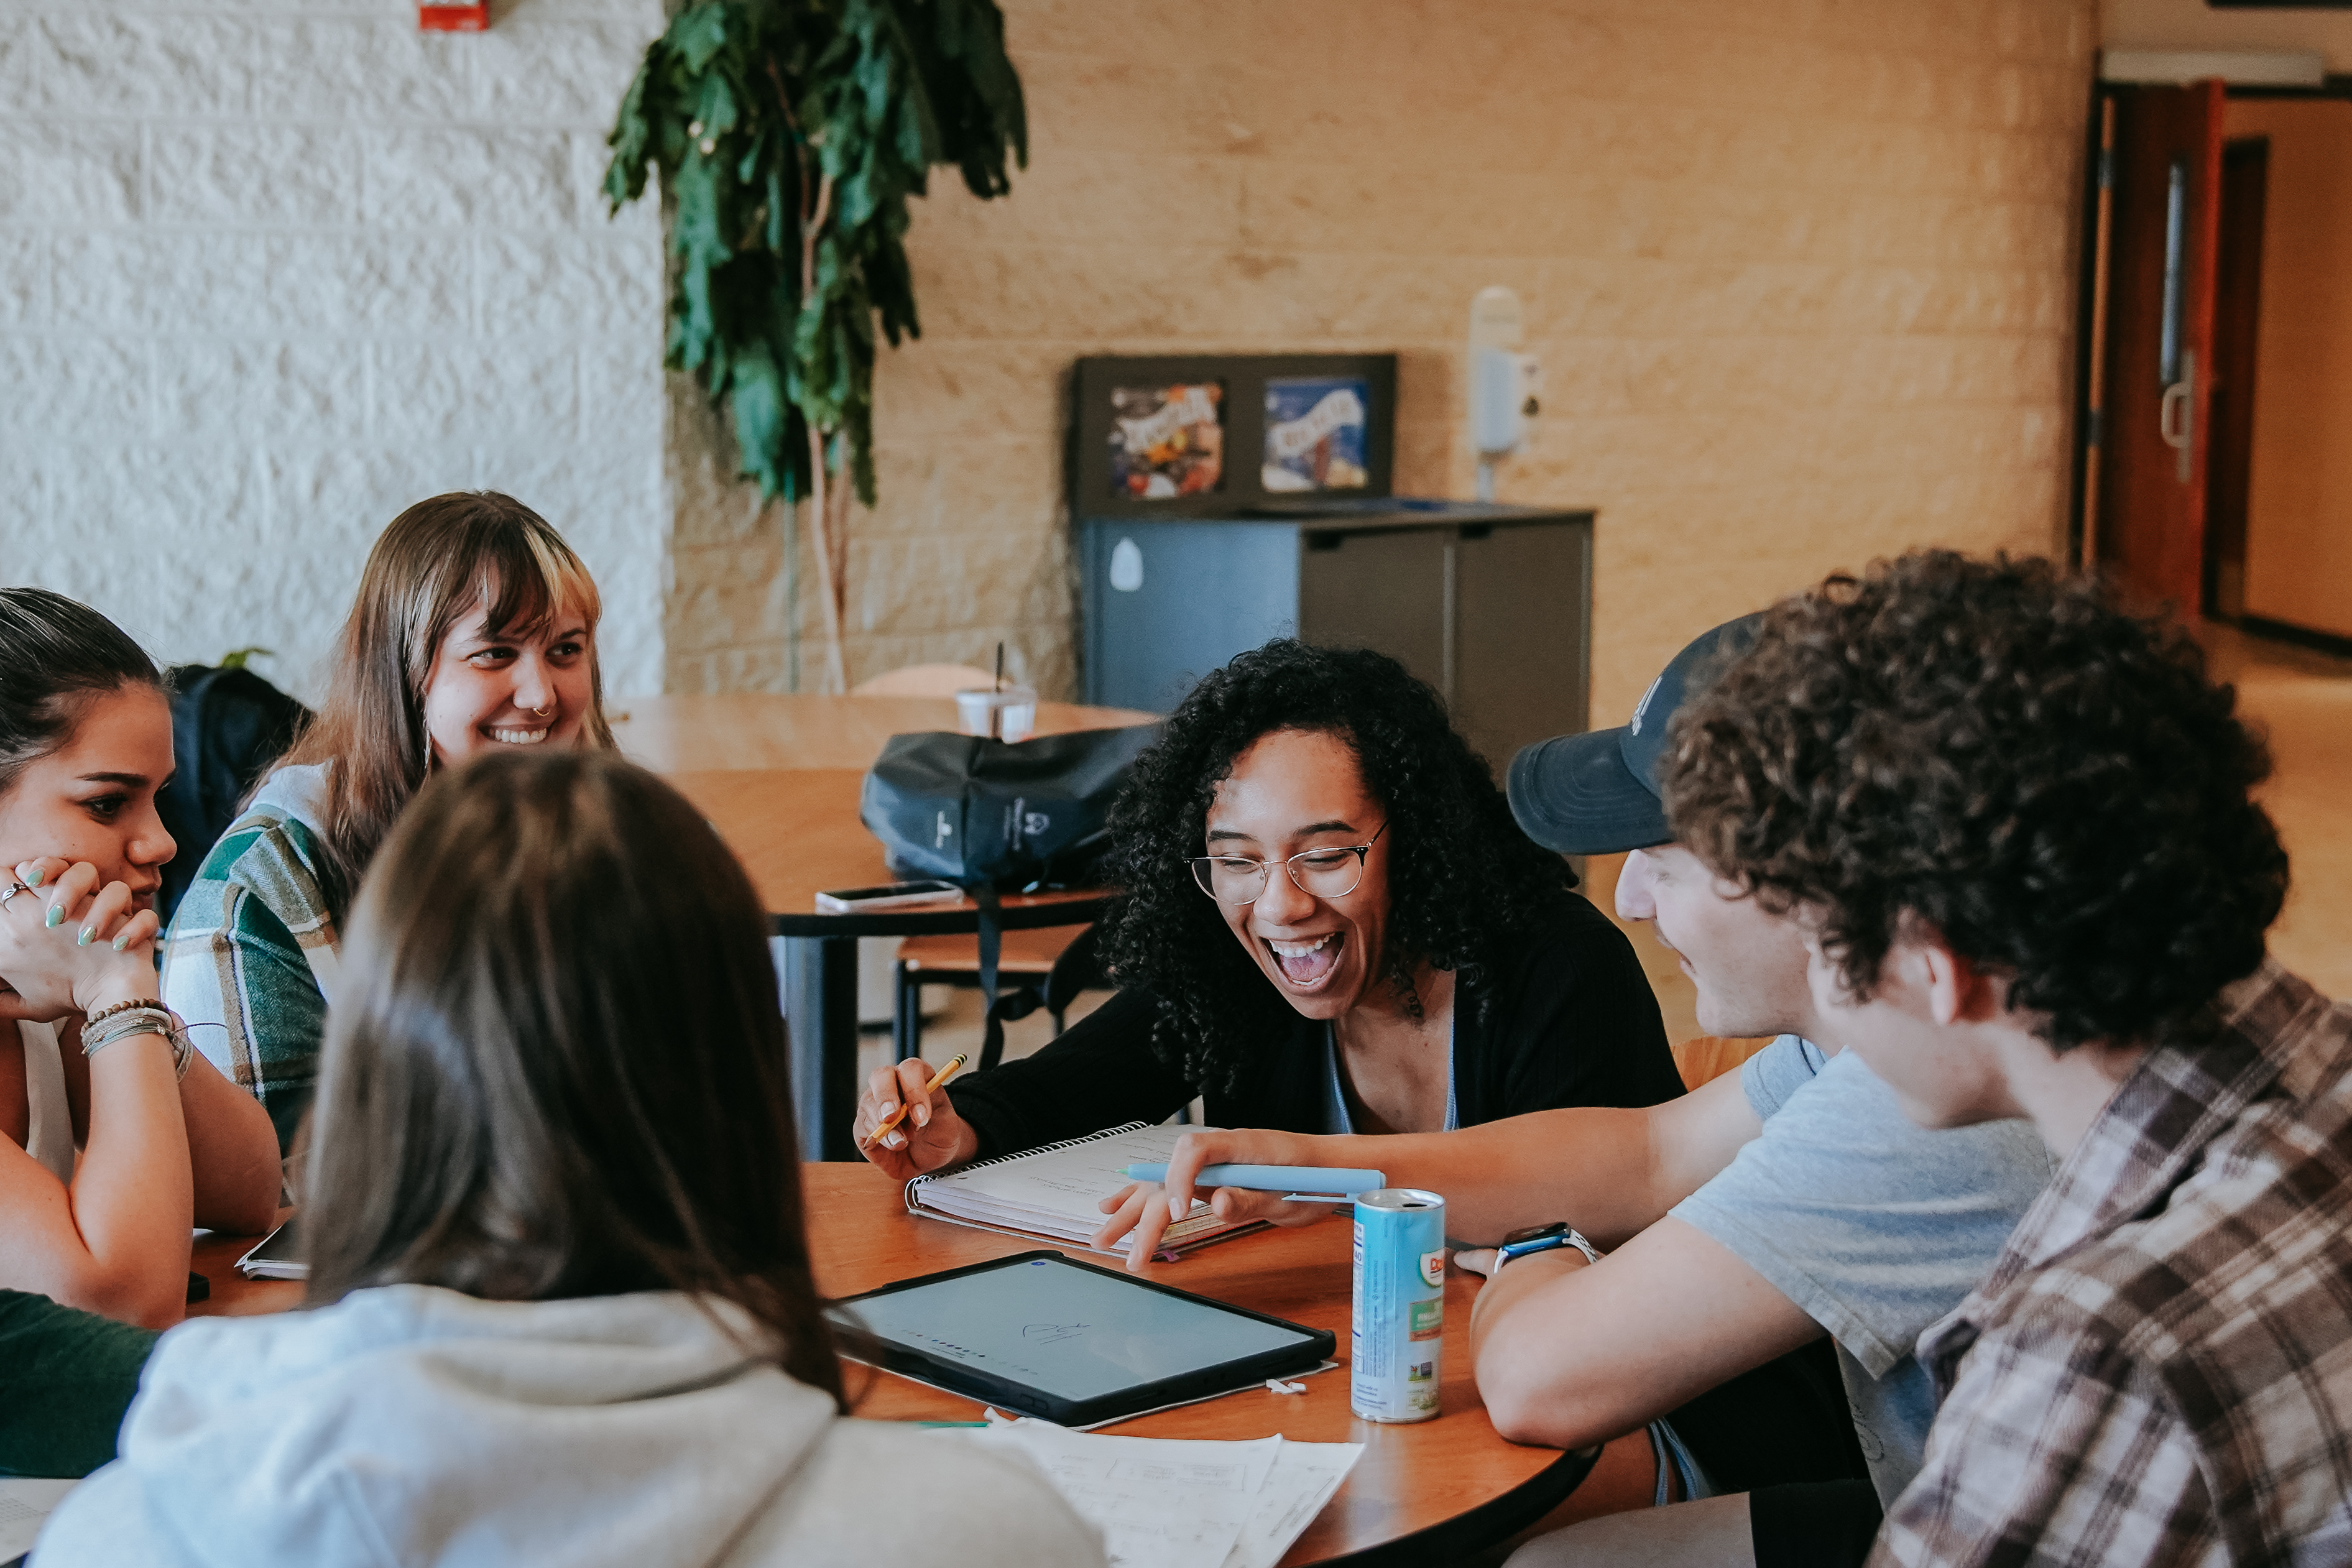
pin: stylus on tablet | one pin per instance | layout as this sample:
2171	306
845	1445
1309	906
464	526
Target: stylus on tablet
1299	1180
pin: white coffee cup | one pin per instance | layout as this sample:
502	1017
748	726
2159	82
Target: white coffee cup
1009	714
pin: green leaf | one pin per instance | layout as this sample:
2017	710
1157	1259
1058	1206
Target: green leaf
715	109
756	398
697	34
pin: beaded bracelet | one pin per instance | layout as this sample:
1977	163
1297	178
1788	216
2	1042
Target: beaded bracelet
105	1013
148	1018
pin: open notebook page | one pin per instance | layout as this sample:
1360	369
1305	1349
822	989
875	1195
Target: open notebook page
1056	1190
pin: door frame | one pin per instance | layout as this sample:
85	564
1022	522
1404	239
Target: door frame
2090	311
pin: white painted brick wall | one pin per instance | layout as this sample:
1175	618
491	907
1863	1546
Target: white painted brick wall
271	271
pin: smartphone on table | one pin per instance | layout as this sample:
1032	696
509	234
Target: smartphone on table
888	896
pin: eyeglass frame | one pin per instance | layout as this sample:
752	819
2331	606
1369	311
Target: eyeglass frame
1362	853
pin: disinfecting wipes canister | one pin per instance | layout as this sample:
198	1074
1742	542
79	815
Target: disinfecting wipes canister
1400	1319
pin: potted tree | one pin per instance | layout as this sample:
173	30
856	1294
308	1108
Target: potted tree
789	135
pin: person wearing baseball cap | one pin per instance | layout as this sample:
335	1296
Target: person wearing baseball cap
1596	792
1774	1206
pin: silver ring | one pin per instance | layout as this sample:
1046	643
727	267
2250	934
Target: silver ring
10	891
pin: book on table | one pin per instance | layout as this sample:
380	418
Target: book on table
278	1256
1053	1193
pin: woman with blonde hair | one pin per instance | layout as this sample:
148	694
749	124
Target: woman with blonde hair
474	630
562	1302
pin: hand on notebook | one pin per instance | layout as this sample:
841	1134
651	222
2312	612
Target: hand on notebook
932	1136
1144	1207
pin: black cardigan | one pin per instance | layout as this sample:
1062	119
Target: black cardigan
1573	1022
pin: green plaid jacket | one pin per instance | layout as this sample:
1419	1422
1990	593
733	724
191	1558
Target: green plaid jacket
252	950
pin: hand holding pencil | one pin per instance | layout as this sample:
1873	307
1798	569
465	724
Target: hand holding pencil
905	1123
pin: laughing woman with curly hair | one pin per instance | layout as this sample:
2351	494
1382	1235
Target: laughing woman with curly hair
1332	924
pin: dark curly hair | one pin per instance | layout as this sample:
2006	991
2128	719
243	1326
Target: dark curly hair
1461	876
2052	783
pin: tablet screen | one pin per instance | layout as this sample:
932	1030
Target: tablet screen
1071	1331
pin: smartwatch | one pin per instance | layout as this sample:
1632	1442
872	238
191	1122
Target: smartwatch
1544	1238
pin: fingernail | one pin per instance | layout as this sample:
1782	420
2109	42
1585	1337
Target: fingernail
893	1139
121	941
83	940
922	1116
57	914
887	1109
35	880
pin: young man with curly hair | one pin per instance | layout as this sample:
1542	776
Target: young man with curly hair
2016	826
1790	1203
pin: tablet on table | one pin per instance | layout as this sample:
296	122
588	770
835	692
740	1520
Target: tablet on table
1069	1341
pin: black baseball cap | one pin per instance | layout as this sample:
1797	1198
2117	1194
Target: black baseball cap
1597	794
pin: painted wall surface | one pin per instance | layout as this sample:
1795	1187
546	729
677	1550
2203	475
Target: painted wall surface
2193	25
1802	275
271	273
2299	503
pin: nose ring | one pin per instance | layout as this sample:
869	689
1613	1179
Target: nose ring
543	713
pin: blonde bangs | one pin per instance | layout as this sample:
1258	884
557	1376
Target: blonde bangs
528	579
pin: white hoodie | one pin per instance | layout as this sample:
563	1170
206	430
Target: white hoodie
411	1425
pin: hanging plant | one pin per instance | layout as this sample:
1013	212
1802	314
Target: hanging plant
789	135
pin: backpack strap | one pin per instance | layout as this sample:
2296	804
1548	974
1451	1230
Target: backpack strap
991	949
1078	969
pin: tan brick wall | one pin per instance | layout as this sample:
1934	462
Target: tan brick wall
1801	272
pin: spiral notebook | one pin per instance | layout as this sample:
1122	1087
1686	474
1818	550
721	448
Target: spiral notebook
1051	1192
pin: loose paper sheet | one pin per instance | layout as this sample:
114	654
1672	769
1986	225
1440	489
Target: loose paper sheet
24	1507
1171	1504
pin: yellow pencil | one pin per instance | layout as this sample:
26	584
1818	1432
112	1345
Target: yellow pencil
954	1065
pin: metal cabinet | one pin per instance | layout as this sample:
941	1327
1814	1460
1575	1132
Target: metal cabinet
1490	605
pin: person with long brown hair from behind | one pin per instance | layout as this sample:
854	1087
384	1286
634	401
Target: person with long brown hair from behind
474	630
561	1302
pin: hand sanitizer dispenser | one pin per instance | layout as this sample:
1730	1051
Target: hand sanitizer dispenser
1508	397
1505	385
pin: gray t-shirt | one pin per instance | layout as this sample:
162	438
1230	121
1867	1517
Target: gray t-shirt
1874	1225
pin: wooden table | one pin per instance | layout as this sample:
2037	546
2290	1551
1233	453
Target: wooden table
779	776
1432	1491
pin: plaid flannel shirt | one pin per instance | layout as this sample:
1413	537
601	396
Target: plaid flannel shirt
2159	1369
253	946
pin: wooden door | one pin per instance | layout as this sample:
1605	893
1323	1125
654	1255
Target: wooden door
2159	342
2237	312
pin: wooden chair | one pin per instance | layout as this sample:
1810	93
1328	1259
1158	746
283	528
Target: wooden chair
924	680
1710	1056
1024	955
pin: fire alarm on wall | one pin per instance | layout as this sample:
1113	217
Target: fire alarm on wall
432	18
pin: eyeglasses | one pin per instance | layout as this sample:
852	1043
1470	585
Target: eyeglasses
1331	873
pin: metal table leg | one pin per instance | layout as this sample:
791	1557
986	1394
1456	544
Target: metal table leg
820	981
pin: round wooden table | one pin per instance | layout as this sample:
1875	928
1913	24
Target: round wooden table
779	776
1432	1491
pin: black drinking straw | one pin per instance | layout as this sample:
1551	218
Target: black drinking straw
996	710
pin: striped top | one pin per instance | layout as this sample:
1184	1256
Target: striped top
252	950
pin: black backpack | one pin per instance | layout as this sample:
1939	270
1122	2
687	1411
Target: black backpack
994	816
227	726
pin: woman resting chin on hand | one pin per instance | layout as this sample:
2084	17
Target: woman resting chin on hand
87	1056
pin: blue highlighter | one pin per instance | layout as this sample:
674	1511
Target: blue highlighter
1305	1182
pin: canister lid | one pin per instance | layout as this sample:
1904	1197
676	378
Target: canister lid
1400	1198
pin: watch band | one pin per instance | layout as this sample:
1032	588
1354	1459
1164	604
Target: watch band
1567	1235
